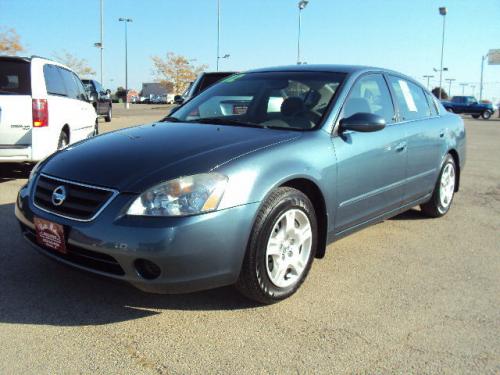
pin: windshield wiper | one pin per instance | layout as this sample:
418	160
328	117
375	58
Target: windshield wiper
225	121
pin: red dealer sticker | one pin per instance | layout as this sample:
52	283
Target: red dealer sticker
51	235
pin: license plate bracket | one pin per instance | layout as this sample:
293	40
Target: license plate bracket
50	235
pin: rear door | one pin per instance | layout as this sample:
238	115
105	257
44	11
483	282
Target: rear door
15	102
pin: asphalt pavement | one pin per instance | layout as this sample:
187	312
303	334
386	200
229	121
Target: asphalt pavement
409	295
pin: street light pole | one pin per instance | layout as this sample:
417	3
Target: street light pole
102	35
428	80
126	21
463	87
442	11
302	4
218	34
450	80
481	81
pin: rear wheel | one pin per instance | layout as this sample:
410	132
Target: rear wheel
108	115
475	116
96	128
450	110
281	247
444	191
486	115
63	140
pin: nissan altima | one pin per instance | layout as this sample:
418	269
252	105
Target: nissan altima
248	182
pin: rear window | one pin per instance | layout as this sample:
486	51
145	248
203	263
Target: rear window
209	79
15	77
53	80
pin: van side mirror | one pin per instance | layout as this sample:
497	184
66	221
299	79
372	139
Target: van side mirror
363	122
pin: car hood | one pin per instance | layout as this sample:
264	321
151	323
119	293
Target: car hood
136	158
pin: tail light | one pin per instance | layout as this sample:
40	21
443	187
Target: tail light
40	113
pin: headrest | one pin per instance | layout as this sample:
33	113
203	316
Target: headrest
291	106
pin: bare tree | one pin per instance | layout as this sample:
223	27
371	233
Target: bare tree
10	43
175	70
79	66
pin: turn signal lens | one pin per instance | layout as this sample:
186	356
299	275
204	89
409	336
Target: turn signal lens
40	113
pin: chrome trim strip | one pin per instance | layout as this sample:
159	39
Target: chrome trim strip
113	195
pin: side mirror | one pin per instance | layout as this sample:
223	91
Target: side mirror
178	99
108	92
363	122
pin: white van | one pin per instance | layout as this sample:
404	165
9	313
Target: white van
43	108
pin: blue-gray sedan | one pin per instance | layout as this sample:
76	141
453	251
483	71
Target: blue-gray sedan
248	182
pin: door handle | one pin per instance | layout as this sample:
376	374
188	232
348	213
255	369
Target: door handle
401	147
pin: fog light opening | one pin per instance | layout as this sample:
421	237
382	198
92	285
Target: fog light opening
147	269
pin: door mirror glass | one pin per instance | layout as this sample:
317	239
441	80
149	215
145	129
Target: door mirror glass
363	122
178	99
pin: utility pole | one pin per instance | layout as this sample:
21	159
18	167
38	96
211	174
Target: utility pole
481	81
102	37
302	4
218	34
428	79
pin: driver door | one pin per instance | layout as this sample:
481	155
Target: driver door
371	167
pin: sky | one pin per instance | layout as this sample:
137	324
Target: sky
403	35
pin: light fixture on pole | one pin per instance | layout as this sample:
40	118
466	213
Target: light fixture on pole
449	80
302	4
442	11
126	21
428	77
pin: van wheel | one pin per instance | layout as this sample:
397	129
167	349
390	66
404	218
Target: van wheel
96	128
281	248
444	191
63	140
108	115
486	115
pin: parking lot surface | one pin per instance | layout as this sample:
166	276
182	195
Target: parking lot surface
409	295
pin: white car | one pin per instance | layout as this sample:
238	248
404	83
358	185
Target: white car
43	108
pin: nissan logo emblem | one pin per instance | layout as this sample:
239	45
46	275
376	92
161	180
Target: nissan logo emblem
58	195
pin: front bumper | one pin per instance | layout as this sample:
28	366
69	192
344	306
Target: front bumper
193	253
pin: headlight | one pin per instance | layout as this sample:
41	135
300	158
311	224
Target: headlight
180	197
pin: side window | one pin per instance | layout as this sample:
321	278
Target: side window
370	94
432	104
412	102
71	88
82	94
98	87
53	80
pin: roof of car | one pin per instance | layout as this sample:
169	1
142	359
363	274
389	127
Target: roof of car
318	68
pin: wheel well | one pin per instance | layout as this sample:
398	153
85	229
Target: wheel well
65	129
454	155
312	191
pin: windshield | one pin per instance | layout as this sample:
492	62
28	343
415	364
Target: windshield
289	100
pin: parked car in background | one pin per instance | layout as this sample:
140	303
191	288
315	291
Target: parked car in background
209	197
201	83
100	98
469	105
43	108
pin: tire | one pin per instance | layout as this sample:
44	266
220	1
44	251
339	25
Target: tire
63	140
108	115
475	116
486	115
450	110
96	128
444	190
279	254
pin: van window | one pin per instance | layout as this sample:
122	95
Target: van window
82	94
69	82
413	104
15	77
53	80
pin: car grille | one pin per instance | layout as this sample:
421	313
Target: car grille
79	256
83	202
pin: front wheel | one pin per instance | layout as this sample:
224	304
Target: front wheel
281	248
444	191
486	115
108	115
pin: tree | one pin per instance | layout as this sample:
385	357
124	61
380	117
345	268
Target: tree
175	70
79	66
435	91
10	43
